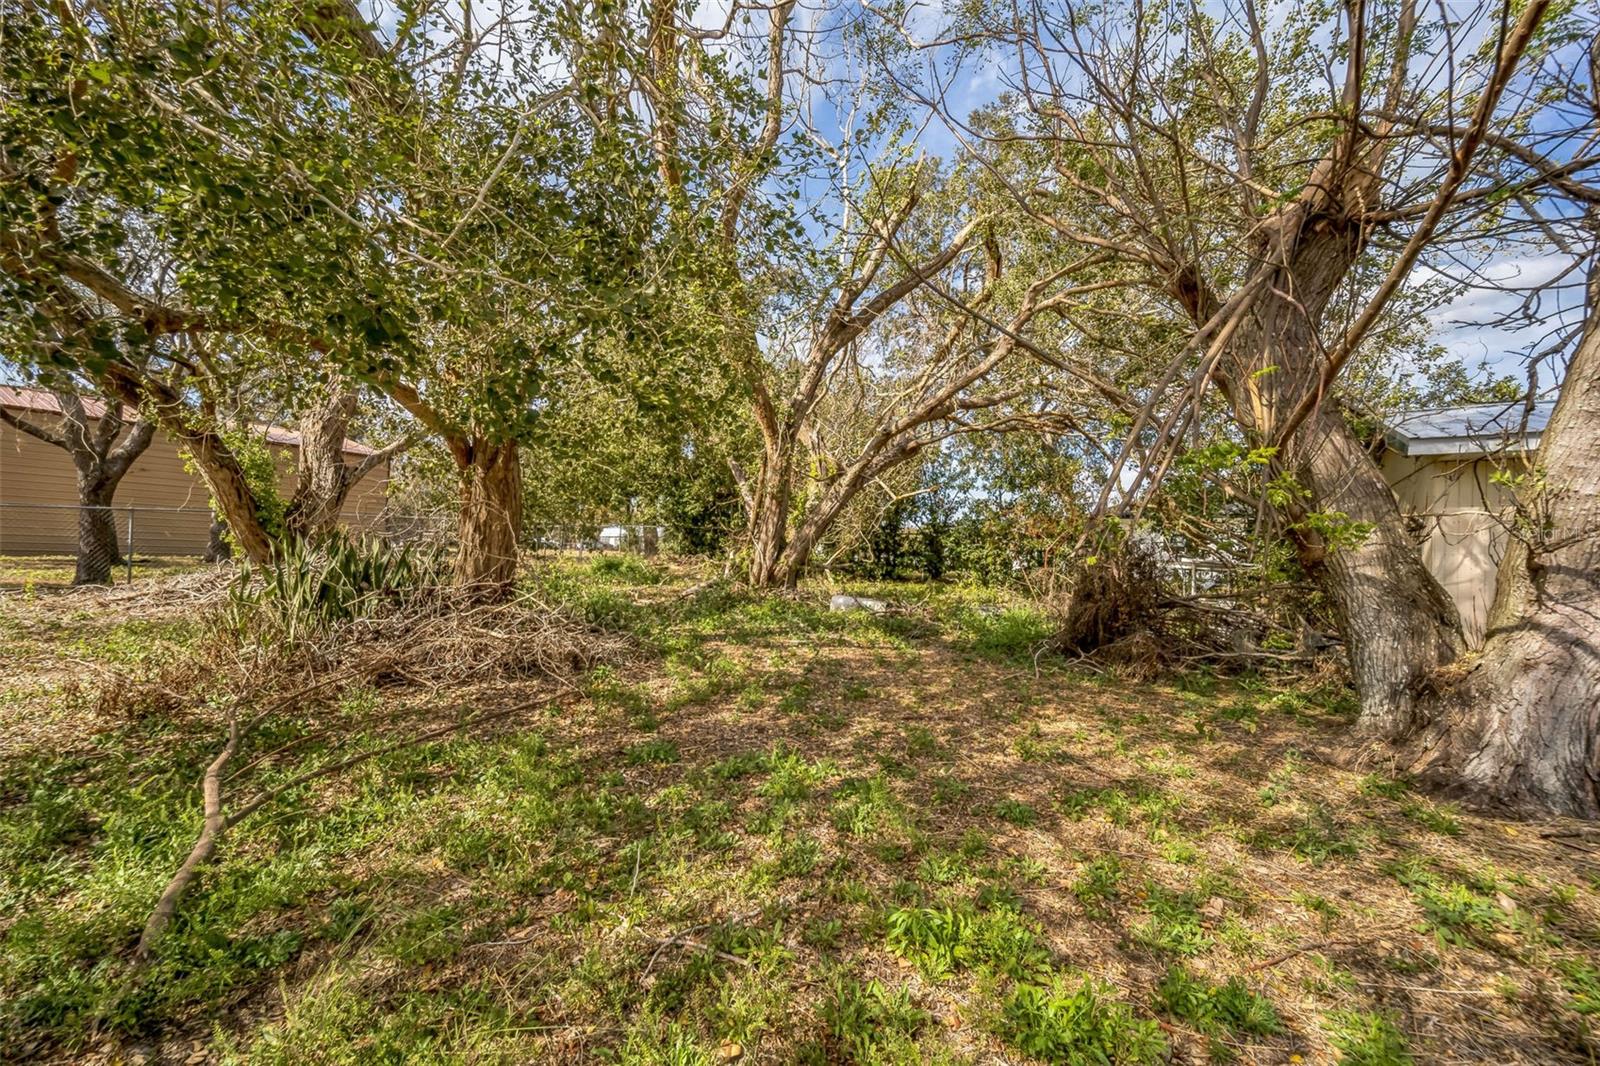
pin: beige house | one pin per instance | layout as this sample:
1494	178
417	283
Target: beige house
1441	464
167	505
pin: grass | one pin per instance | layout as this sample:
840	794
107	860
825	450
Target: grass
30	573
785	834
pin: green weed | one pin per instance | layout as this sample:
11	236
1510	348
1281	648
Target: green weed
1365	1039
1216	1010
1078	1024
944	941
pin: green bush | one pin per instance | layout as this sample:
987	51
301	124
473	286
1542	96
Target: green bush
1014	633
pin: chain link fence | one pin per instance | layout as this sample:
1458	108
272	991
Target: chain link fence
99	545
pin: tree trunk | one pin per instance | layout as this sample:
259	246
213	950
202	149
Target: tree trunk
98	550
219	468
100	461
769	521
322	480
1522	727
491	515
218	550
1398	625
231	492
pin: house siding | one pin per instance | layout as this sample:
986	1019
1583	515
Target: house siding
1463	516
171	511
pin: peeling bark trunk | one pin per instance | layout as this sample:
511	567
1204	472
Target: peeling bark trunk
1522	727
322	480
491	514
231	492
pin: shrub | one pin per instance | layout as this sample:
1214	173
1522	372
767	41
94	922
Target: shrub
311	585
1014	633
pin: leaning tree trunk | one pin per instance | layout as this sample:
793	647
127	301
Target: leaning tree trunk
231	492
1522	727
1398	625
491	515
98	550
219	467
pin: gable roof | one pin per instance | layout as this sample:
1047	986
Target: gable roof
1472	429
43	401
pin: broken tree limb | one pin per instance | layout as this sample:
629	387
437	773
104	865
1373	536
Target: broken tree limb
217	823
204	847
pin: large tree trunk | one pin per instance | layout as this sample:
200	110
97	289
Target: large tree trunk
491	515
769	521
1522	727
322	480
98	550
1398	625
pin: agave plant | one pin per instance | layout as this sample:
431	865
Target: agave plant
312	584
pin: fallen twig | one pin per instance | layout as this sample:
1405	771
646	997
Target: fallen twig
217	823
204	846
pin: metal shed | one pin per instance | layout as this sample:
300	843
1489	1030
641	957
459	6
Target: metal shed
1440	463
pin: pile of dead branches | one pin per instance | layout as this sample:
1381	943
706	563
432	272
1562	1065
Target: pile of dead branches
449	636
1121	611
410	649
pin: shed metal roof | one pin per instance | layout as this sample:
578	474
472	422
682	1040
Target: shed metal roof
42	401
1473	429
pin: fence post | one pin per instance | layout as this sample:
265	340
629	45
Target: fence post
128	555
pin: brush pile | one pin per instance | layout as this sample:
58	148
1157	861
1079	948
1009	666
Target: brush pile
1121	610
389	615
443	635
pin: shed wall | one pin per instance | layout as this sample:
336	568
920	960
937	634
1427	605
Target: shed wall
1461	517
172	516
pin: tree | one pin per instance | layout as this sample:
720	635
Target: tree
1522	727
153	200
446	227
1187	165
324	475
102	449
846	379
